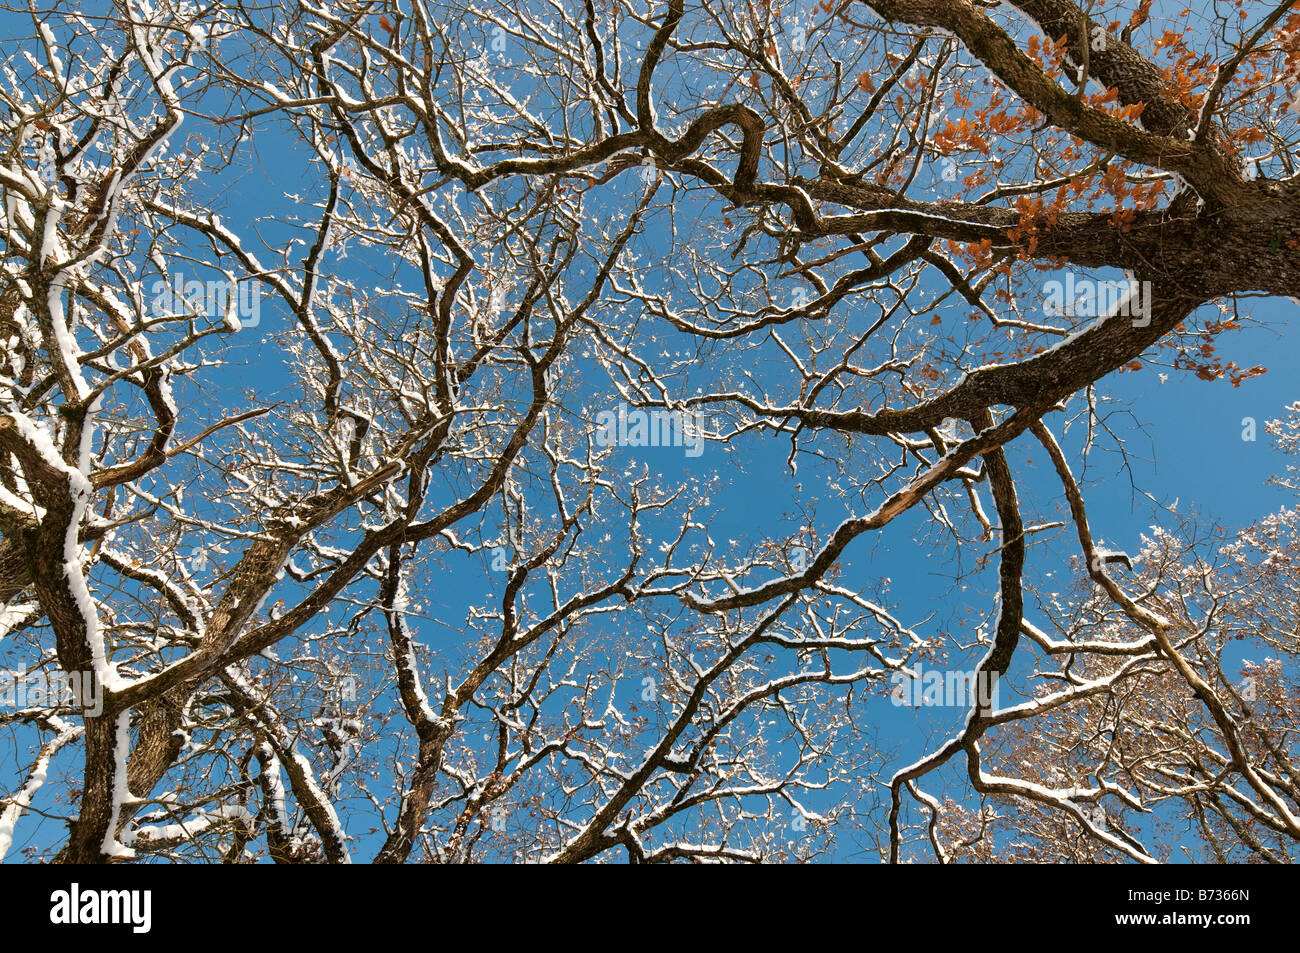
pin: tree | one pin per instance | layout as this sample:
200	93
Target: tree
502	247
